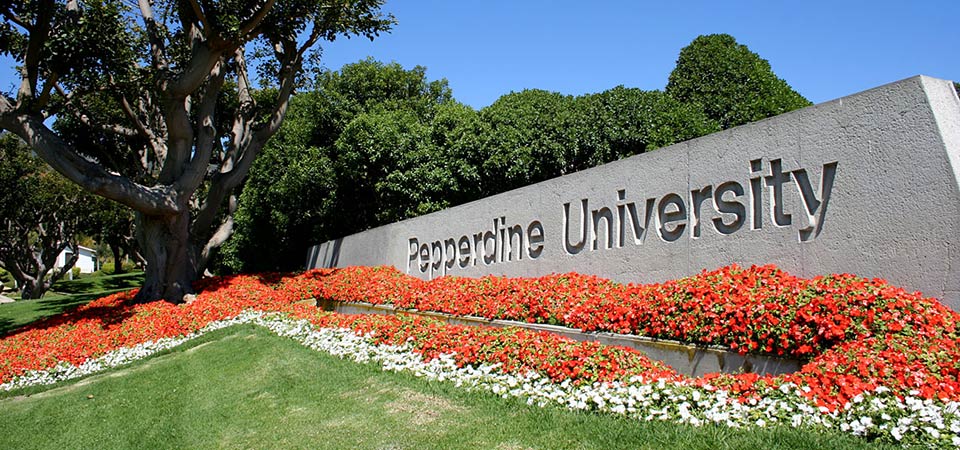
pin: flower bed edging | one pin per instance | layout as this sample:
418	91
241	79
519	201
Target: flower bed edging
690	360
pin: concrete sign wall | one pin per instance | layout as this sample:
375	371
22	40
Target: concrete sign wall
866	184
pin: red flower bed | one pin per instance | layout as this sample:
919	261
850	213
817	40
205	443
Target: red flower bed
760	309
857	333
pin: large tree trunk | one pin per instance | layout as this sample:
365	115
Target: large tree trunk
116	248
31	290
35	288
170	255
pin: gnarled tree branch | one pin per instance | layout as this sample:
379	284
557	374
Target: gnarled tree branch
220	236
257	19
30	71
206	136
91	176
158	57
156	144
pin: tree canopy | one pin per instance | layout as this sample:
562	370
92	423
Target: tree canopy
159	108
535	135
41	215
367	146
630	121
733	84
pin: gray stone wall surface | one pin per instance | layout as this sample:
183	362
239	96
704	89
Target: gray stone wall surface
866	184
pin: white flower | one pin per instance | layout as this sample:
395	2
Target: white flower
897	433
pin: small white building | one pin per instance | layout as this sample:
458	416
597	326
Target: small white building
87	262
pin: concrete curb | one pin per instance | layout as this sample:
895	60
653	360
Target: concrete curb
690	360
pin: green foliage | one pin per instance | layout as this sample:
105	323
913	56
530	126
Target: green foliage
40	215
356	152
86	47
458	134
281	210
109	268
371	85
956	87
628	121
732	84
388	169
532	137
535	135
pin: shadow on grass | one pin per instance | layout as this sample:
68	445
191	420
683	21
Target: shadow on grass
100	284
59	305
6	326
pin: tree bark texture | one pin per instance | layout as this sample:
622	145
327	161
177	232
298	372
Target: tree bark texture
171	265
115	247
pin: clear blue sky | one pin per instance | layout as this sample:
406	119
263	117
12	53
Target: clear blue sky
824	49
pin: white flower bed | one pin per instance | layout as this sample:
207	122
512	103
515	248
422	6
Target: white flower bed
881	414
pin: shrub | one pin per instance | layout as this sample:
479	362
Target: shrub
733	84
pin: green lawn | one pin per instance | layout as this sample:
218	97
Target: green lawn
99	283
64	295
243	387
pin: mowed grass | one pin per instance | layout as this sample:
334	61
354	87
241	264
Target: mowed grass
63	296
99	283
243	387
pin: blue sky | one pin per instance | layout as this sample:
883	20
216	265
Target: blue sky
823	49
